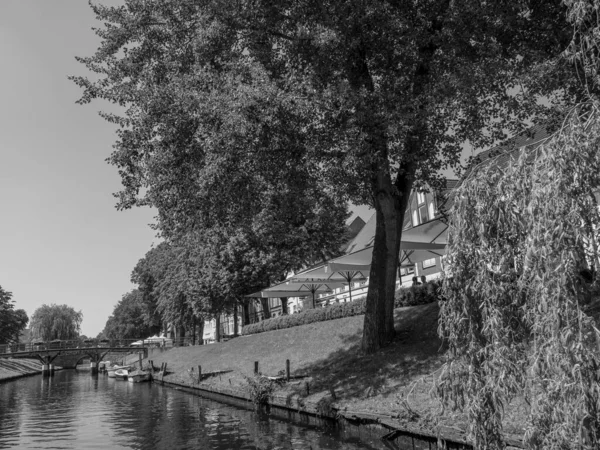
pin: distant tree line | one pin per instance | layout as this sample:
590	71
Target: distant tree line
12	321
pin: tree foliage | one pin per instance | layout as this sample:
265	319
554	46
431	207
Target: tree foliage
12	321
128	320
521	310
237	108
50	322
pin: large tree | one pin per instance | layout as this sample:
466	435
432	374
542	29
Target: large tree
229	102
128	318
50	322
12	321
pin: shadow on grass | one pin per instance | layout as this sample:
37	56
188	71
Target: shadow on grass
415	352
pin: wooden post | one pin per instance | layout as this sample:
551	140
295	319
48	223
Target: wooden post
307	388
140	359
162	376
94	368
255	367
332	392
45	370
199	374
151	365
287	369
51	369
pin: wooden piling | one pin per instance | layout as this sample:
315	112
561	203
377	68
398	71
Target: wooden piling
140	359
199	374
332	392
94	368
45	370
256	367
287	369
307	387
51	369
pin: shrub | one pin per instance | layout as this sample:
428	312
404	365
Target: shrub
260	388
410	296
418	295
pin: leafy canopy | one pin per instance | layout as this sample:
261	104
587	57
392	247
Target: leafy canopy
127	320
12	321
50	322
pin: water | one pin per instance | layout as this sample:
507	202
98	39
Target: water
74	410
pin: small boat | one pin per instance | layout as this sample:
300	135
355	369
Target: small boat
121	374
138	376
112	370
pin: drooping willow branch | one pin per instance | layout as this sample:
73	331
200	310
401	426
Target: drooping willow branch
523	253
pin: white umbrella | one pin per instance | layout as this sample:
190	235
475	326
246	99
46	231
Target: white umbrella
420	243
291	288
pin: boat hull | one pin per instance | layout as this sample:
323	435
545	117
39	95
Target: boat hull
112	370
138	377
121	374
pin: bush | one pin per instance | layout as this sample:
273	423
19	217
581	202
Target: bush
418	295
411	296
260	388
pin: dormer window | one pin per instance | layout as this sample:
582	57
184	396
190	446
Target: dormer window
431	210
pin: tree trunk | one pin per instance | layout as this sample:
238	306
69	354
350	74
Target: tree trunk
284	305
201	331
390	203
264	302
236	326
218	328
194	331
245	312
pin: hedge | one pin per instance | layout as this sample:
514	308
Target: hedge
405	296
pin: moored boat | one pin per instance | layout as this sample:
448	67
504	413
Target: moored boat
112	370
121	374
137	376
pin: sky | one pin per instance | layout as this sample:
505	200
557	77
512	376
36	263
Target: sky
61	239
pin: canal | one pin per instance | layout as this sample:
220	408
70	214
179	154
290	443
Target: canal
74	410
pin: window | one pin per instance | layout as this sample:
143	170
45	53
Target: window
420	197
431	210
415	218
407	271
429	263
423	214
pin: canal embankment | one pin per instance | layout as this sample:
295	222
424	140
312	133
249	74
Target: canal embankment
331	378
17	368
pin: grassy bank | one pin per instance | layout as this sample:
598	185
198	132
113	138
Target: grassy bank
15	368
396	381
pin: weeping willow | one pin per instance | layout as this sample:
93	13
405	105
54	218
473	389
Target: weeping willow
523	252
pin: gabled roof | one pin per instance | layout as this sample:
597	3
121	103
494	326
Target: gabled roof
510	149
364	238
353	229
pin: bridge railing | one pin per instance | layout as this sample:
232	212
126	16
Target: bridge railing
58	344
95	343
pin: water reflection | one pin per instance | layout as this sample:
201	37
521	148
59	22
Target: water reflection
75	410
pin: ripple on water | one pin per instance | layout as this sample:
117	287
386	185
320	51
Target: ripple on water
77	411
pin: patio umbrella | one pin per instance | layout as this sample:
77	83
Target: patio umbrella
419	243
324	274
291	288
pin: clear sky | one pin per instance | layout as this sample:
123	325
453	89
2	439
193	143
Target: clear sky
61	239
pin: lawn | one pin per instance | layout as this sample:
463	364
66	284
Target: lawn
396	381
